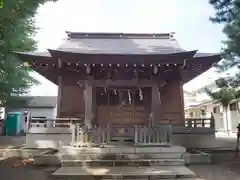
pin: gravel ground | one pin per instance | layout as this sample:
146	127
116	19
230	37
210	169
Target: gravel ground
224	171
27	172
229	170
217	172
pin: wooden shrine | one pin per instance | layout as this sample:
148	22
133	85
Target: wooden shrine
120	79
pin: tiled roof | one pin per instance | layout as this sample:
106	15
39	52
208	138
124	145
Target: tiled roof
103	48
120	43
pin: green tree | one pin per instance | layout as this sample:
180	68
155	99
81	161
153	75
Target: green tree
17	28
228	13
224	95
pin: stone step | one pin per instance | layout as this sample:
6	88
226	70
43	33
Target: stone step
195	178
112	156
192	178
123	150
125	172
125	162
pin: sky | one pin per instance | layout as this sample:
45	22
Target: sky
189	19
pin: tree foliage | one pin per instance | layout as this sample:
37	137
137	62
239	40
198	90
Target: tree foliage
17	28
224	93
228	13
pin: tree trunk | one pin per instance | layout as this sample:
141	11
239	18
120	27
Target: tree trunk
226	114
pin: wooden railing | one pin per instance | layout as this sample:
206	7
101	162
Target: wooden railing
100	136
81	136
153	135
52	123
200	122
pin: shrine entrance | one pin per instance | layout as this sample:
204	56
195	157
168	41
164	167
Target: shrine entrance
123	107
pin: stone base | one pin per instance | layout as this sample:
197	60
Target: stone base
47	137
121	152
57	137
197	157
69	155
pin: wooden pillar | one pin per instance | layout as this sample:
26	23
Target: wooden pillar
60	85
182	114
94	104
182	102
88	98
154	105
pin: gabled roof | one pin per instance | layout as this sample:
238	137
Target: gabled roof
121	48
120	43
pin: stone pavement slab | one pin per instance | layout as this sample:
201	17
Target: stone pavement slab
157	171
214	172
11	141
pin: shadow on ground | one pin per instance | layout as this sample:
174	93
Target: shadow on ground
27	172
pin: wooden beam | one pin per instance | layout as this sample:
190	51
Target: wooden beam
128	83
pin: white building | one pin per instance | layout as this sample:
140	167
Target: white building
204	106
43	107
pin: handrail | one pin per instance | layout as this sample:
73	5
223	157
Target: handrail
200	122
52	123
99	135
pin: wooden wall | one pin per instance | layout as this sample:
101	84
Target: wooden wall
172	103
126	115
72	100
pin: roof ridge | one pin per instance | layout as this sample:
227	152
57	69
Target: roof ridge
84	35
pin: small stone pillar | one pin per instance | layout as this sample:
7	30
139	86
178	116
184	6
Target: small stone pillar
78	134
73	128
89	137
